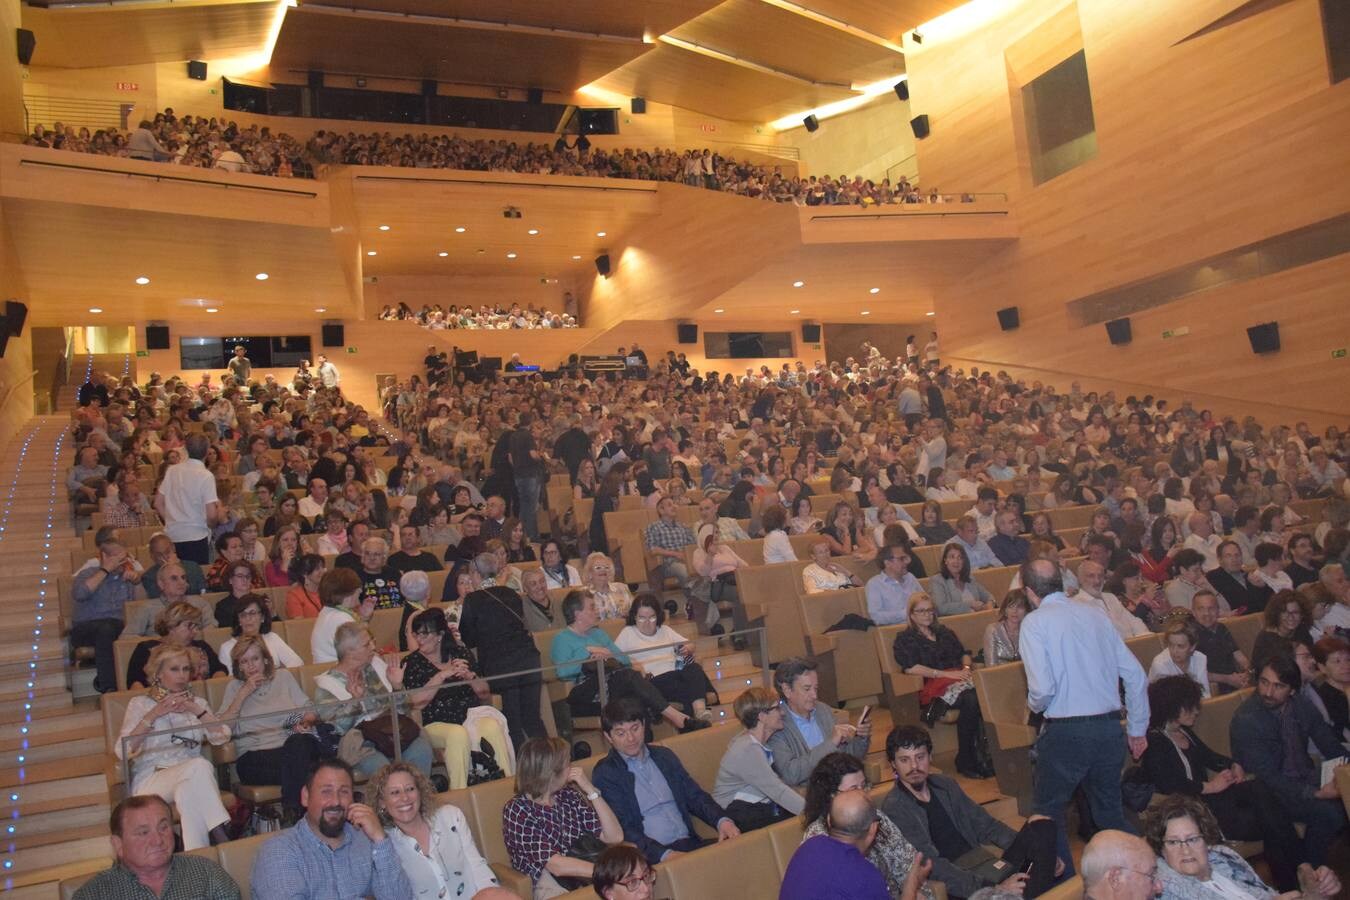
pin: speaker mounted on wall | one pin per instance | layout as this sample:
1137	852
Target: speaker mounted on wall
902	89
16	313
1008	319
314	79
811	123
638	105
27	42
602	265
688	332
535	96
1119	331
1265	338
920	126
334	335
428	87
810	332
196	70
157	337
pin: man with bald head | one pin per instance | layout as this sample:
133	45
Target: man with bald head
172	587
1119	866
1092	591
834	865
1202	538
162	552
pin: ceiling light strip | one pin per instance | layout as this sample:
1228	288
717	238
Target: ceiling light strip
836	24
746	63
477	24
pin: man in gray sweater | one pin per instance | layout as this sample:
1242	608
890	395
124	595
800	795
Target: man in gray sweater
809	729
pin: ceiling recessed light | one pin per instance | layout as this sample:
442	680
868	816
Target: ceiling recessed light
533	231
874	290
370	253
460	230
142	280
799	284
794	311
443	253
321	309
384	227
96	309
576	256
866	313
930	314
719	309
212	309
510	256
600	234
261	276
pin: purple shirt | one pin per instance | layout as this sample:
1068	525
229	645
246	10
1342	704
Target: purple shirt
826	869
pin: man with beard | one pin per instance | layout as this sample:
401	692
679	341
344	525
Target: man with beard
338	850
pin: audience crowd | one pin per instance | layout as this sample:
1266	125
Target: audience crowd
497	317
1195	517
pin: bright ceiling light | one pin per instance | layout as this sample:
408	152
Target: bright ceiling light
600	234
874	290
142	280
321	309
212	309
443	253
460	229
576	256
96	309
261	276
370	253
930	314
510	256
866	94
866	313
384	227
794	311
799	284
533	231
719	309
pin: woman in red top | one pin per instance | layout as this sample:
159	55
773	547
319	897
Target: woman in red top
1155	563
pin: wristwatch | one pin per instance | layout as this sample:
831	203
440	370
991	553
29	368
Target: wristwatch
593	796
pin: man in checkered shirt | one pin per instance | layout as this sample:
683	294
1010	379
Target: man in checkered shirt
666	540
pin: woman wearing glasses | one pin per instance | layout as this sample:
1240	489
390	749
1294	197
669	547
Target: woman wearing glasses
672	669
180	625
171	766
1194	863
622	873
252	619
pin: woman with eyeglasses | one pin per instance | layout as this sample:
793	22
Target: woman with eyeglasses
178	625
171	765
252	619
612	598
747	786
1194	863
241	580
891	853
672	669
558	573
623	873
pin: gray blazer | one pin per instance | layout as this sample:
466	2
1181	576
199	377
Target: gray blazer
970	819
794	760
744	766
947	598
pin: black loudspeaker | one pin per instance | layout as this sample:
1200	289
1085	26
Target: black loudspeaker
15	314
334	335
535	95
920	126
27	44
810	333
196	70
157	337
4	335
902	89
688	333
602	264
638	105
1118	330
1265	338
315	79
1008	318
811	123
428	87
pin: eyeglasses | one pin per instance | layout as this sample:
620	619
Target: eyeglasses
633	883
250	614
923	610
1195	840
185	741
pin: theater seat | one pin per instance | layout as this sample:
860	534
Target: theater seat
701	752
236	857
1069	890
744	868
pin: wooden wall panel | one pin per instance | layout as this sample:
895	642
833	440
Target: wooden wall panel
16	367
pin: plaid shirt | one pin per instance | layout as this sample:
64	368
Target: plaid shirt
533	833
668	535
190	878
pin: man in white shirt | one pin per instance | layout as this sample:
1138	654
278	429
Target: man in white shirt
313	504
1092	592
328	373
187	502
984	512
1203	540
1246	527
1332	577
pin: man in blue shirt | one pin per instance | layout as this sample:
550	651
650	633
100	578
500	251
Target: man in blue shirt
809	731
888	591
1074	659
834	866
976	547
649	789
338	851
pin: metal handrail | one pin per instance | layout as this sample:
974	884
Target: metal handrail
394	698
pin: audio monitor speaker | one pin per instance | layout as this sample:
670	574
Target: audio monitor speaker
810	333
602	264
811	123
334	335
27	44
16	313
1008	318
902	89
428	87
688	332
4	335
920	126
1265	338
535	95
157	337
315	79
1118	330
638	105
196	70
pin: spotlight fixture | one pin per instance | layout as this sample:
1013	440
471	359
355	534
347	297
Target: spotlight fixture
930	314
874	290
719	310
511	255
576	256
370	253
600	233
384	227
460	229
142	280
212	309
96	309
321	309
261	276
799	284
866	313
443	253
533	231
794	311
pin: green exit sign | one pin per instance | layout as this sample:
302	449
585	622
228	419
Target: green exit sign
1338	353
351	349
142	352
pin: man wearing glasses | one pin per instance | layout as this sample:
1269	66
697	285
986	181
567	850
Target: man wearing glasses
1119	866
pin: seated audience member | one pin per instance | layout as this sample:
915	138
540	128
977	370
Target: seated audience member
665	539
747	787
647	787
144	861
1332	655
1008	544
1092	592
672	667
180	626
441	669
777	547
1302	568
1000	637
280	749
985	512
948	828
839	773
1190	567
823	574
1230	581
1178	762
540	613
1286	618
622	873
1270	734
171	765
1179	656
337	835
340	593
953	590
555	805
809	729
577	648
100	591
281	556
253	619
302	600
1202	538
1156	562
612	598
931	526
1336	622
1229	668
1194	862
889	591
1119	866
365	680
976	548
239	580
172	585
432	839
410	556
834	864
379	580
313	504
846	533
229	551
1269	572
162	552
558	572
471	540
931	651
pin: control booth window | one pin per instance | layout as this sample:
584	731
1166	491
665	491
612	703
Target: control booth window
747	344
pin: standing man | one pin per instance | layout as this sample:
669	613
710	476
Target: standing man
528	470
328	373
188	504
240	366
1074	658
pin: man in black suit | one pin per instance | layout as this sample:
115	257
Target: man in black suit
1231	582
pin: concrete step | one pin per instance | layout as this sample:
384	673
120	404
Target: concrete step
74	724
26	843
58	770
52	822
56	854
68	750
56	702
67	793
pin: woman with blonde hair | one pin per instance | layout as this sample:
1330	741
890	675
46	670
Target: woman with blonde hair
180	625
612	598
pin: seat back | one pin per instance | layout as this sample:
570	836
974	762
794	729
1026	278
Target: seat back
1002	692
785	837
624	529
384	626
236	858
487	800
745	867
855	669
1145	647
970	628
1244	630
122	650
769	594
1216	714
701	752
298	635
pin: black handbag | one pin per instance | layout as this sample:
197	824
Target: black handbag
587	847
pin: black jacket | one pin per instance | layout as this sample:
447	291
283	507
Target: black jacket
1239	594
493	623
970	819
613	779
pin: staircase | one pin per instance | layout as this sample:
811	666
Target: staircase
52	789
